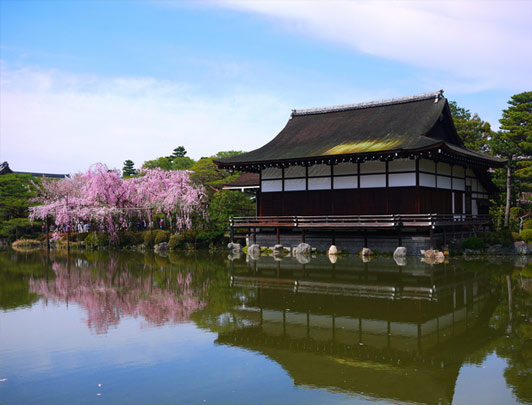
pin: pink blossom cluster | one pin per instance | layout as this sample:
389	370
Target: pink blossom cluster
115	294
110	203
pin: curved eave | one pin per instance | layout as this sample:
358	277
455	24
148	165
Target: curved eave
439	151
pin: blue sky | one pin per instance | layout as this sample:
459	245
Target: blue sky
104	81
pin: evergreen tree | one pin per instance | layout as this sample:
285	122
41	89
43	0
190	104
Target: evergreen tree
129	169
474	132
514	143
180	151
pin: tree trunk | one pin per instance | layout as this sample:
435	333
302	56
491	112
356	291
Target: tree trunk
508	196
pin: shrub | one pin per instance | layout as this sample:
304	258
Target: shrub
474	243
178	240
527	235
150	236
129	238
516	236
516	212
503	237
161	237
527	224
204	238
95	240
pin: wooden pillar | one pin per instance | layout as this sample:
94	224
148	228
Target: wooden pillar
254	236
399	236
231	233
431	234
365	238
303	239
333	237
278	230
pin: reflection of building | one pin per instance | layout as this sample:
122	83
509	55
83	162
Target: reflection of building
382	166
360	328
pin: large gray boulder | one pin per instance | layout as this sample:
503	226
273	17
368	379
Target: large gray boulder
161	247
365	252
400	252
522	248
254	252
332	250
234	247
302	249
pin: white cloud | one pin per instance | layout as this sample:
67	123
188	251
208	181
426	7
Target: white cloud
52	121
481	44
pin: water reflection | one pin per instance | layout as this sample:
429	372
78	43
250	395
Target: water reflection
387	331
377	329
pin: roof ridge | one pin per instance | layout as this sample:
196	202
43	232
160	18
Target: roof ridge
437	95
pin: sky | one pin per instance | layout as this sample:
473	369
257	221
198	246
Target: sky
83	82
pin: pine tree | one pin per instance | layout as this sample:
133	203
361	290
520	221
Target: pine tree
514	142
474	132
129	169
180	151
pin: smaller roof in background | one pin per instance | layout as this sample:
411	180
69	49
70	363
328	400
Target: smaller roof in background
245	181
5	169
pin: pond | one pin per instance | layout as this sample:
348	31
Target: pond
196	328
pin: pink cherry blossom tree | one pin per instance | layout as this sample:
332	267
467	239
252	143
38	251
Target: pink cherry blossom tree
107	201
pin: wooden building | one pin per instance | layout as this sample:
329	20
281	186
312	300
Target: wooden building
394	163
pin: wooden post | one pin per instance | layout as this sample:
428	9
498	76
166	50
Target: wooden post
278	236
365	238
303	236
399	235
232	233
333	238
254	236
431	238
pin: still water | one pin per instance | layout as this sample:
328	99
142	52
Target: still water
132	328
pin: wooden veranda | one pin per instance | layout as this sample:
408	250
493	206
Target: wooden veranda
361	223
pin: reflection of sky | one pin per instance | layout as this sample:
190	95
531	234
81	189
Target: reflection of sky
486	381
48	355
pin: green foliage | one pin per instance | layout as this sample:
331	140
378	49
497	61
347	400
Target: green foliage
527	224
514	143
474	132
179	240
526	235
162	162
516	212
129	238
228	153
474	243
180	151
129	169
503	237
516	236
95	240
227	204
16	192
176	161
16	228
162	237
182	163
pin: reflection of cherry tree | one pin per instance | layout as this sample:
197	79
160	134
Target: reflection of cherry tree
114	294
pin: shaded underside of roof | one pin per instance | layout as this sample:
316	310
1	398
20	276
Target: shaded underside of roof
361	129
